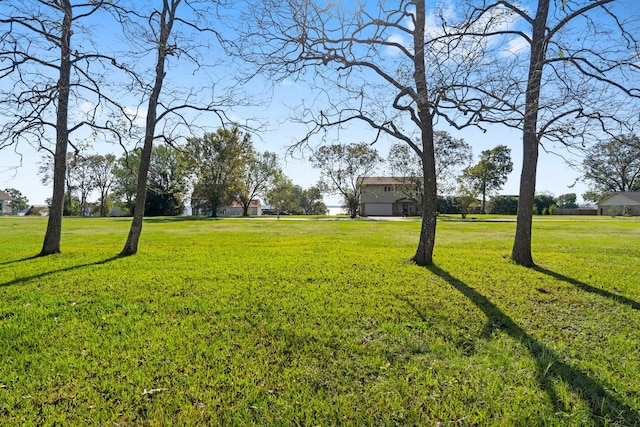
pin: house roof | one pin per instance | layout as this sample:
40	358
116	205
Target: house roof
5	196
633	195
380	180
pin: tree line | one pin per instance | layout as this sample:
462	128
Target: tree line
223	167
562	73
209	172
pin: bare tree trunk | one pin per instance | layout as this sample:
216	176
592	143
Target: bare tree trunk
483	210
103	203
166	22
521	252
53	234
131	245
424	253
214	207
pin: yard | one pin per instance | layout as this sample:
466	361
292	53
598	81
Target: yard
243	322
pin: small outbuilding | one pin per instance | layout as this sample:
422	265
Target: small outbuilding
625	203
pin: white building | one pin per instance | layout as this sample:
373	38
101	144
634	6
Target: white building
621	203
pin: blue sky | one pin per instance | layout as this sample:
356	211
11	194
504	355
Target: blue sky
19	165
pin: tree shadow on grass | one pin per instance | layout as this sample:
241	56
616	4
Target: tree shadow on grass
21	280
20	260
588	288
605	408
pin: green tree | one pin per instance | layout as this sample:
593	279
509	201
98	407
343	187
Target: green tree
19	202
503	205
614	165
74	181
490	173
285	196
567	201
217	162
593	196
166	183
125	180
257	175
542	204
312	202
342	168
465	200
81	179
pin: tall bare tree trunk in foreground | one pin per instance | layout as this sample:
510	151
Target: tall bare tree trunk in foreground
53	234
424	252
166	21
521	252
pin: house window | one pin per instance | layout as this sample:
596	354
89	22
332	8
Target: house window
387	188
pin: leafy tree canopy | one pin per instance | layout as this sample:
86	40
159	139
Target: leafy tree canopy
490	173
19	202
613	166
342	168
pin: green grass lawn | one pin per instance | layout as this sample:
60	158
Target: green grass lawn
319	323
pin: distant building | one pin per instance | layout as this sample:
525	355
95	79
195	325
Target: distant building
5	203
380	197
621	203
200	207
235	209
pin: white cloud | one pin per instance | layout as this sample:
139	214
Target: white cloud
138	115
86	107
516	46
397	39
290	84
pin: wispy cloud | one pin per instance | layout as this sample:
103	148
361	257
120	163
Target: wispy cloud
137	115
287	83
516	46
399	40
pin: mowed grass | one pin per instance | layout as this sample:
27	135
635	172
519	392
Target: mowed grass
319	323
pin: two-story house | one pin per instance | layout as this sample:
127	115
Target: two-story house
5	203
380	196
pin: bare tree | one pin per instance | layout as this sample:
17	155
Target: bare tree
376	63
176	31
49	81
563	73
